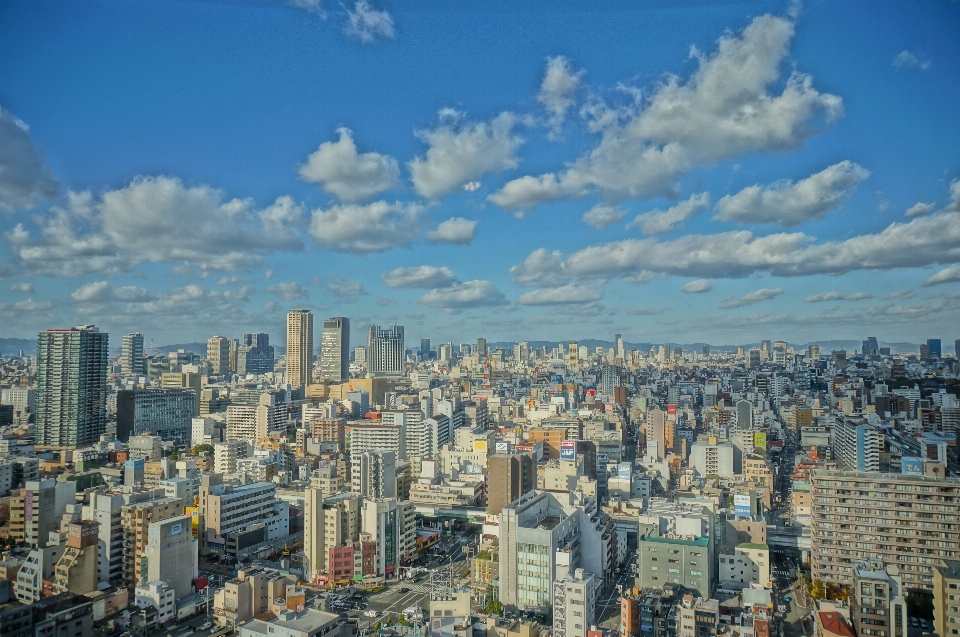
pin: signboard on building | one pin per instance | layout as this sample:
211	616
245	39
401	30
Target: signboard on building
176	529
568	450
194	513
911	465
671	410
503	447
741	504
760	440
480	445
624	470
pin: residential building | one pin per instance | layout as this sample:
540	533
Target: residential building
77	568
135	518
299	356
309	622
385	351
391	524
36	569
218	355
373	474
71	386
226	454
329	524
862	516
857	444
711	458
230	509
744	565
131	355
509	476
878	605
946	598
36	510
105	509
379	437
697	616
335	349
574	604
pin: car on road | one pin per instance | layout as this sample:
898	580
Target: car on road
786	599
924	624
205	625
370	613
914	622
403	589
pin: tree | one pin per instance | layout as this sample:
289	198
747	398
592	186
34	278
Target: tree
201	449
378	626
493	607
174	456
818	589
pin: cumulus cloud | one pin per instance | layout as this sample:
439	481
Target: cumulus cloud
645	311
365	229
346	288
660	221
541	268
422	276
753	297
602	216
93	291
788	203
25	177
901	294
288	291
919	209
459	152
728	107
454	230
351	177
908	60
558	91
838	296
24	288
367	24
160	220
460	296
562	295
946	275
472	186
697	287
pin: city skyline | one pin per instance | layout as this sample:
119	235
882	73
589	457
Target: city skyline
195	174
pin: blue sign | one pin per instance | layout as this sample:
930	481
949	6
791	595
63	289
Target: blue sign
911	465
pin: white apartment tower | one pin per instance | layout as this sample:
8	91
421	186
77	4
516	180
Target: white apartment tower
385	351
335	349
299	348
131	355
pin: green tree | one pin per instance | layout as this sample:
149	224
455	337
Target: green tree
818	590
201	449
377	626
493	607
174	456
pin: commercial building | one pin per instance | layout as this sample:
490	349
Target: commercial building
328	524
218	355
675	547
131	355
77	568
232	509
304	623
135	518
335	349
946	598
391	524
385	351
903	519
71	386
509	476
36	510
255	354
299	357
373	474
162	412
172	554
746	564
574	604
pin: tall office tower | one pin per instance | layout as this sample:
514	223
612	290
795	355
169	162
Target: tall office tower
481	347
424	348
956	349
335	349
385	351
665	353
619	350
935	347
360	354
765	349
870	346
218	353
71	386
510	476
815	352
706	350
299	348
256	355
232	357
131	355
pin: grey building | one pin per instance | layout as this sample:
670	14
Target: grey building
131	355
167	413
335	349
664	558
255	354
385	351
71	386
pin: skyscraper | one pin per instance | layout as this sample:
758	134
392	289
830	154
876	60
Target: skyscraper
255	355
385	351
71	386
299	347
424	348
870	346
335	349
131	355
935	347
619	350
481	346
218	353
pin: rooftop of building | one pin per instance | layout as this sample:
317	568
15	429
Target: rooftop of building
834	622
949	569
753	546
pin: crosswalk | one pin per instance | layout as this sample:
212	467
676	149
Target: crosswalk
412	588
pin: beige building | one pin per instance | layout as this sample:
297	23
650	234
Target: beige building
218	353
746	564
946	599
135	520
77	569
248	594
299	348
860	516
328	523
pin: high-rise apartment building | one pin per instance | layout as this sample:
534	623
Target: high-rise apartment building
299	348
946	595
255	354
385	351
509	476
71	386
335	349
900	519
878	604
218	353
373	474
131	355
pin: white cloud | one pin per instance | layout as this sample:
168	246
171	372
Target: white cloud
697	287
645	311
353	178
561	295
788	203
919	209
946	275
472	186
602	216
287	291
93	291
367	24
156	219
901	294
459	153
660	221
753	297
468	294
346	288
24	288
313	6
728	107
908	60
838	296
454	230
423	276
558	91
365	229
25	177
541	268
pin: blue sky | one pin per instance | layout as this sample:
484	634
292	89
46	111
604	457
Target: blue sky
673	171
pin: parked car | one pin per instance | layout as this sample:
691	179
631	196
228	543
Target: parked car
205	625
924	624
914	622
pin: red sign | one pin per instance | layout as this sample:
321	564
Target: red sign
672	410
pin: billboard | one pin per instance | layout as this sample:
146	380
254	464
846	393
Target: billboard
671	410
741	504
480	445
194	513
624	470
760	439
911	465
568	450
503	447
